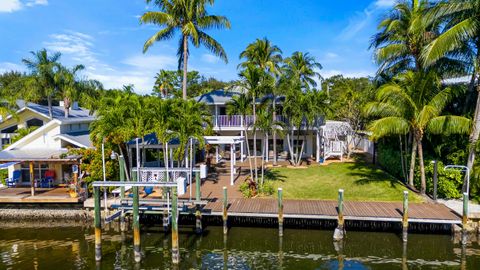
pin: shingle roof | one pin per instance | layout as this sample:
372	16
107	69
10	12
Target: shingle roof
217	97
31	154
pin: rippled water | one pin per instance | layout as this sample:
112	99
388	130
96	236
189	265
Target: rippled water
72	247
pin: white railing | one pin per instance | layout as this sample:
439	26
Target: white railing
238	120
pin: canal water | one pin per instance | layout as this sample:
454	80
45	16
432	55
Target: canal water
57	247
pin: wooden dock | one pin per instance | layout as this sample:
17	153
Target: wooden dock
42	195
327	210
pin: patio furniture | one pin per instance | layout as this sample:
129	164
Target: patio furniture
12	181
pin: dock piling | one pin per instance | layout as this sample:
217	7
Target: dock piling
280	212
198	182
465	218
136	225
339	233
98	225
198	196
175	250
405	217
225	206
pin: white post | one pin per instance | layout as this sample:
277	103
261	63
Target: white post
317	154
233	151
216	116
216	154
171	157
165	152
231	166
241	147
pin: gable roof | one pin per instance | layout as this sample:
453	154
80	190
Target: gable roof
220	96
80	139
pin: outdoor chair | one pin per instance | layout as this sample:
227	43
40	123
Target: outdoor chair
12	181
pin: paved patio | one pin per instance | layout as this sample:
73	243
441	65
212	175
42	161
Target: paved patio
42	195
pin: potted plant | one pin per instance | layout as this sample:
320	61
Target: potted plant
72	190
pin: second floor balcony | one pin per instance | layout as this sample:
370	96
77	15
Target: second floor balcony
237	122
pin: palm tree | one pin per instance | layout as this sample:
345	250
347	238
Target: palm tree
462	39
241	105
42	82
162	112
304	67
267	125
191	18
268	57
402	36
256	82
71	88
164	83
413	102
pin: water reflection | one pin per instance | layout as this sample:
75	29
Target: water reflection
243	248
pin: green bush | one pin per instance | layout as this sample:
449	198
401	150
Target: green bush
389	159
266	189
3	176
246	191
450	182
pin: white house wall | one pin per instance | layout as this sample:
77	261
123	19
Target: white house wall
43	140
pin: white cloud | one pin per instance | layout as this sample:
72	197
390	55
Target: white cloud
384	3
32	3
15	5
151	62
10	5
76	45
209	58
364	18
8	66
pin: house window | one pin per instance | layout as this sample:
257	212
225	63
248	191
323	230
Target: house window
223	111
39	171
34	122
5	141
11	129
279	144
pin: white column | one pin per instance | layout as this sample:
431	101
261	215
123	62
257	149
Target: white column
317	154
216	115
171	157
216	153
241	148
231	166
233	151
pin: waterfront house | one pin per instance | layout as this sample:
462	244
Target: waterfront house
47	144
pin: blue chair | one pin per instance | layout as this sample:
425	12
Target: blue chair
12	181
148	190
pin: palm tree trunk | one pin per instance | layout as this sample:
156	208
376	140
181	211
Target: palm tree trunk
255	139
423	182
248	148
185	61
470	92
412	164
473	139
50	111
404	174
263	160
66	107
274	133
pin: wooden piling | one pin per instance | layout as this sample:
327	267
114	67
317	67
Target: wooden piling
123	226
405	217
198	182
280	212
98	224
464	218
339	233
198	220
225	206
136	225
32	179
175	250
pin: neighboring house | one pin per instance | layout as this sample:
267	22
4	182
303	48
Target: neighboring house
47	146
316	142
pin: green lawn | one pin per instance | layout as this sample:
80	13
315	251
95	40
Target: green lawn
360	181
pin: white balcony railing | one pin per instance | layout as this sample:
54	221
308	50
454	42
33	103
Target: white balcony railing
223	121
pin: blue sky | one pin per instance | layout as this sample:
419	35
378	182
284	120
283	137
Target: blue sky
105	36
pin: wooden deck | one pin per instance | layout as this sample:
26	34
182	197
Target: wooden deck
360	211
42	195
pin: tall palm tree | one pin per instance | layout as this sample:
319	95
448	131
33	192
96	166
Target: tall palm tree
191	19
414	102
461	38
162	123
242	105
42	82
402	36
268	57
304	67
256	82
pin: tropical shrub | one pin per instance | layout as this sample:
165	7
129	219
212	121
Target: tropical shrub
450	182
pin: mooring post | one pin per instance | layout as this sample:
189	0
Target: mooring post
32	179
339	233
225	206
465	218
136	225
121	159
405	217
198	182
280	212
175	250
98	224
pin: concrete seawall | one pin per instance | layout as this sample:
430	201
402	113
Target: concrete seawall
77	215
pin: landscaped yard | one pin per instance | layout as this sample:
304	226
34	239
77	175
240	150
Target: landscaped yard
361	182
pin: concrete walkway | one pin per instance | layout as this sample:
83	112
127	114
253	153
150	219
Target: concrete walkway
457	206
